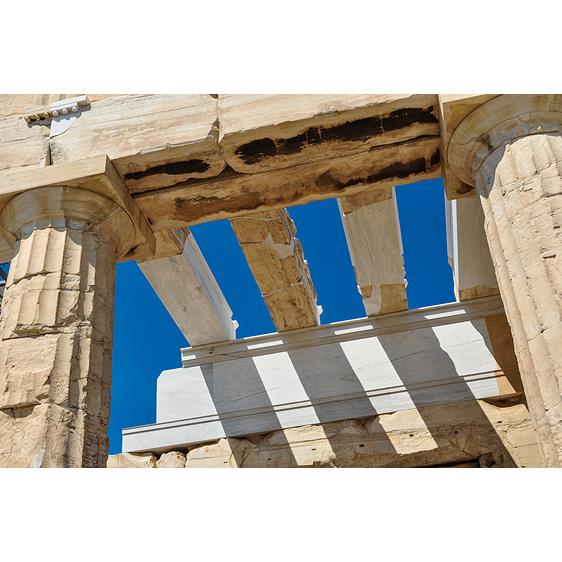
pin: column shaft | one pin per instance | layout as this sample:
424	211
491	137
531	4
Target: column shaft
56	328
521	194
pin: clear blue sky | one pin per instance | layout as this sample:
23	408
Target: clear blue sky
147	341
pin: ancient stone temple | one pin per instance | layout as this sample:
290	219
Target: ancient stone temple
87	181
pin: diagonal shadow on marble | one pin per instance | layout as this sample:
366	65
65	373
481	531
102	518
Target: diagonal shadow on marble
347	370
458	356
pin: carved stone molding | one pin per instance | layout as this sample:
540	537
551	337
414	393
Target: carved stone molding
497	123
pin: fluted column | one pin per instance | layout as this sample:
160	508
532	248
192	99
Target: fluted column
56	328
510	149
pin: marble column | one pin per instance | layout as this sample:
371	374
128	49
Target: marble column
510	149
56	328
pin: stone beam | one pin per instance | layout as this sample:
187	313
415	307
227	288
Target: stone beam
372	230
159	140
265	132
276	260
232	194
189	291
472	434
209	147
353	369
467	248
510	150
153	140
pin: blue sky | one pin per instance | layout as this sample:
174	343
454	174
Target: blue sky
147	341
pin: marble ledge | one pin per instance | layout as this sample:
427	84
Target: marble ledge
342	331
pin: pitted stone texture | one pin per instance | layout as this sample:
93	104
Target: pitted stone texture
56	327
132	460
277	262
492	435
173	459
42	436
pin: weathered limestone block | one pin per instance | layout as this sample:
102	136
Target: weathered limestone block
132	460
153	140
510	148
22	146
373	236
265	131
488	434
276	259
27	145
232	194
56	327
173	459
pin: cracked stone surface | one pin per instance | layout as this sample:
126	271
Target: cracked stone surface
277	262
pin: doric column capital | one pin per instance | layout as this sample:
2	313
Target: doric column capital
68	207
498	123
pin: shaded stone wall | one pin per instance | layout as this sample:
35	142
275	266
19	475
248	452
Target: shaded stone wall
479	433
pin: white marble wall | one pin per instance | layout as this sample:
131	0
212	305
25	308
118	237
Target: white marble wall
346	370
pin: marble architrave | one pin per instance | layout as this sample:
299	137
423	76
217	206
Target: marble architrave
339	371
471	434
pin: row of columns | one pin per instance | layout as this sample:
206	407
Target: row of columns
56	328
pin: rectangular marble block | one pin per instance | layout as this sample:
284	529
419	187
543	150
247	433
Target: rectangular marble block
340	371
